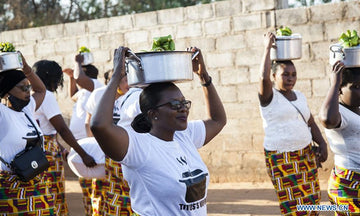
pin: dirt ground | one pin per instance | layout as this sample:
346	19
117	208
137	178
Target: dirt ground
226	199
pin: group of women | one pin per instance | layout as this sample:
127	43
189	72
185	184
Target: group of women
294	146
149	142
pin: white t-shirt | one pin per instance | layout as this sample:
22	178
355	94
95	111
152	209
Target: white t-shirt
167	178
129	106
48	109
77	121
16	131
345	140
126	107
285	129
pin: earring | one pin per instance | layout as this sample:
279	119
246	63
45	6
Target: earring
156	118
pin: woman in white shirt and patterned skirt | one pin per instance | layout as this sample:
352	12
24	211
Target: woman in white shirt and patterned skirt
340	115
51	122
289	130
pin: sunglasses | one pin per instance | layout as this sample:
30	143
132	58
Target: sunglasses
177	105
24	88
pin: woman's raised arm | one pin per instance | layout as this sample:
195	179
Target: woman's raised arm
215	109
265	84
113	140
329	112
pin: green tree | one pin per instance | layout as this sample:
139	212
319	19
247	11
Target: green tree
18	14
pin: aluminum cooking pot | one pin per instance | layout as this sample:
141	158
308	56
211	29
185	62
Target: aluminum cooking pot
88	58
350	56
10	61
286	48
167	66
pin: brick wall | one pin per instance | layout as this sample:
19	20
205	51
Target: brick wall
230	36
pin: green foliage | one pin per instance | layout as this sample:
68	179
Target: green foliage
19	14
284	31
164	43
83	49
7	47
297	3
349	38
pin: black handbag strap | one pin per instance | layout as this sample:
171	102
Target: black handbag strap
37	132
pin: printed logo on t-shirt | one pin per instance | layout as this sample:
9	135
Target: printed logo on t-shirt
195	182
31	137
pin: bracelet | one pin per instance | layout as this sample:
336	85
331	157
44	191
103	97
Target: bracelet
207	83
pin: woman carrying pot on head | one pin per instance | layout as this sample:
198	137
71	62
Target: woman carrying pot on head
18	130
289	130
51	122
340	115
84	76
159	159
112	192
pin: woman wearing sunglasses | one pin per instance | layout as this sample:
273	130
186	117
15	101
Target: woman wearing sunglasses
17	131
160	160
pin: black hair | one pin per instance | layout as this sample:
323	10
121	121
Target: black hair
50	74
8	80
349	75
149	98
107	76
275	64
90	71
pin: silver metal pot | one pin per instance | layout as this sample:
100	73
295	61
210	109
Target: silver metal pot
10	61
88	58
166	66
286	48
350	56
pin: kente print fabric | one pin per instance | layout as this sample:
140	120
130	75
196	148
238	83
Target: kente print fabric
116	196
343	189
295	179
25	198
55	175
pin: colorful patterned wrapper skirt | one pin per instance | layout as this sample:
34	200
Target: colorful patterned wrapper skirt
108	196
295	179
86	187
25	198
117	198
55	175
344	189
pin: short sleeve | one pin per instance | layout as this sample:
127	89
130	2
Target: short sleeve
138	150
50	107
197	132
91	103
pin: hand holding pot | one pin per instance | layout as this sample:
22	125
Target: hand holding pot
119	60
79	58
337	70
26	68
269	40
198	64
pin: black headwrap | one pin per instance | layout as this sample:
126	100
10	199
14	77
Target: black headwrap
8	80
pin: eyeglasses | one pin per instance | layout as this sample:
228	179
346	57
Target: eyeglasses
24	88
177	105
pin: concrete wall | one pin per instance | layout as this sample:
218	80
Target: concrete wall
230	36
